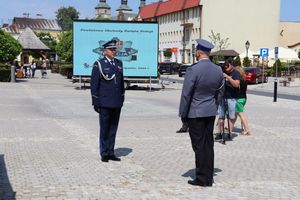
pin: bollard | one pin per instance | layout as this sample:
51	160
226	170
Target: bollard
275	91
12	74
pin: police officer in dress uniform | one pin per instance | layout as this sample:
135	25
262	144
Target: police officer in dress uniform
107	89
198	107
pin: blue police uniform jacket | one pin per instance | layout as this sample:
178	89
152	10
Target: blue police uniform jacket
105	92
201	83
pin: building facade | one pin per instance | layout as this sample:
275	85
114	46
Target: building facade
123	12
179	27
181	22
289	36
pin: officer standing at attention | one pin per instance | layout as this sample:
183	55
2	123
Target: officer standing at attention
198	107
107	89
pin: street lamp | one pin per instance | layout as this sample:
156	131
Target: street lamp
247	45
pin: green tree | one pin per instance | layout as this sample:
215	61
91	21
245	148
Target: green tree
65	46
219	42
246	62
9	47
237	61
167	53
66	16
279	68
47	39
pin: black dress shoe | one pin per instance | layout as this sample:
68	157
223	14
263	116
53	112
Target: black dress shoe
198	183
182	130
218	136
114	158
104	158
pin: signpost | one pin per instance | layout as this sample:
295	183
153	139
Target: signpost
264	53
275	80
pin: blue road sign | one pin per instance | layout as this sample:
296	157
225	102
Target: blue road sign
264	52
276	53
276	50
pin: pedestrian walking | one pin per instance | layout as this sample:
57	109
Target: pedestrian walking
241	101
44	68
198	106
107	90
33	67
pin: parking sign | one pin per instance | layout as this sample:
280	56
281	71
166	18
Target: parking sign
264	52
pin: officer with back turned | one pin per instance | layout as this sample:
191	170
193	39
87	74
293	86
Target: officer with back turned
107	90
198	107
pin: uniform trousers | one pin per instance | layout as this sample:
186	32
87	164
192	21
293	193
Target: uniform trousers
201	134
109	121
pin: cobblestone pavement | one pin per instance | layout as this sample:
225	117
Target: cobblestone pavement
49	148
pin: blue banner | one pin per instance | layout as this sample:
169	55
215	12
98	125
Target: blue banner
137	46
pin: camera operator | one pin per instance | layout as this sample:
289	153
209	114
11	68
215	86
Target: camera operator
232	84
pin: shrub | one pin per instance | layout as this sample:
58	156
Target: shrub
246	62
4	73
66	70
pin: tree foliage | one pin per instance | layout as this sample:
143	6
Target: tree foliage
47	39
66	16
246	62
237	61
218	41
65	46
9	47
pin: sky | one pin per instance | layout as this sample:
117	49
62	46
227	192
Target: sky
16	8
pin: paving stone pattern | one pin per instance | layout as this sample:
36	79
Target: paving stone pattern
49	148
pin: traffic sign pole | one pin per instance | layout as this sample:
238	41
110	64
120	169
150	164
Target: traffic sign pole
276	80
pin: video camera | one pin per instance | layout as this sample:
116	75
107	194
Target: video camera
222	65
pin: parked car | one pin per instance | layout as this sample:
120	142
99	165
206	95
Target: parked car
168	67
182	69
255	75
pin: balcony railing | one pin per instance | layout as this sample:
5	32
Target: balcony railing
186	22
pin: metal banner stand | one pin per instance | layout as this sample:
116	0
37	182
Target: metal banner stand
80	81
150	84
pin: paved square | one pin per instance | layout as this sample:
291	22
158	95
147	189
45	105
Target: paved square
49	147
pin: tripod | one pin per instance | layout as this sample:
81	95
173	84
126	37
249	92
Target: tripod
226	115
224	104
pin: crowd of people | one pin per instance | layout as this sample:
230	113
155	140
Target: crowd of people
29	70
235	98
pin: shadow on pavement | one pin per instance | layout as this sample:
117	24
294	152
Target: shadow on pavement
6	191
86	87
120	152
192	172
135	87
21	80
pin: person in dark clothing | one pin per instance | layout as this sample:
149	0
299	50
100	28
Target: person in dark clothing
198	107
232	84
107	90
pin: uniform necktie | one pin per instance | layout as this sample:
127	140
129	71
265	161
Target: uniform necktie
112	62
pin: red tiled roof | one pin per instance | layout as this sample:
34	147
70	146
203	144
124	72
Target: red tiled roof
163	8
149	11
